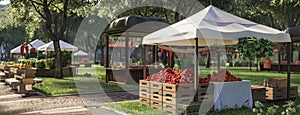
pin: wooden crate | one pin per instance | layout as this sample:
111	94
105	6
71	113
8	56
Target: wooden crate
144	83
174	101
5	67
156	104
179	94
258	93
276	93
294	91
28	75
156	91
144	94
175	88
280	82
144	101
156	97
156	85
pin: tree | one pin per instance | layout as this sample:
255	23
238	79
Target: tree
51	18
246	50
263	48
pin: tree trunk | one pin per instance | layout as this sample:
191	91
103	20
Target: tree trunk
257	64
58	66
250	65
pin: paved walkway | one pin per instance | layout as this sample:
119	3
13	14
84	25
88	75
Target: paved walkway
37	103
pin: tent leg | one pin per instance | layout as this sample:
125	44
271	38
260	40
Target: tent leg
288	69
196	70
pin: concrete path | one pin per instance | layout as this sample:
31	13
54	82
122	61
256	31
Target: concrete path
35	103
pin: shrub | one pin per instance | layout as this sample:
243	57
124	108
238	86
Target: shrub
40	64
65	58
40	56
32	62
51	63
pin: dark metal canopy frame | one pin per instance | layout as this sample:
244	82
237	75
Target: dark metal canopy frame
132	26
295	37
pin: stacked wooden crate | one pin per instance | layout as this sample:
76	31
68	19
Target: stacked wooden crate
144	89
276	89
206	96
156	97
173	95
258	93
25	76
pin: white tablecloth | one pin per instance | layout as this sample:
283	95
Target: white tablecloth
232	95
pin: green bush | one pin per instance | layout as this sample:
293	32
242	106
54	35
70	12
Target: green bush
32	62
50	54
51	63
40	56
65	58
40	64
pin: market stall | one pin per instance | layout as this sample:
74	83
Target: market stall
280	58
81	58
213	27
64	46
124	54
17	51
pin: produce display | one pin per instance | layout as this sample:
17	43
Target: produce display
22	66
175	76
172	76
7	63
219	76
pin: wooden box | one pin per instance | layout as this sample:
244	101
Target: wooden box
279	82
144	101
276	93
144	83
258	93
294	91
156	85
28	75
175	88
144	94
156	97
156	104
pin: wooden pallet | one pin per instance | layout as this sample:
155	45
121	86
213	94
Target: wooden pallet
144	101
144	83
176	88
156	104
258	93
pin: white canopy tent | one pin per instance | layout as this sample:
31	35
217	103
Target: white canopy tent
80	53
209	25
63	46
36	44
213	23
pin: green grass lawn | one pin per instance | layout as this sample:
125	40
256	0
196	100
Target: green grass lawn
52	86
80	84
134	108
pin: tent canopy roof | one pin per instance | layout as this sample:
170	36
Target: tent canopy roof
80	53
145	24
36	43
294	32
63	46
212	26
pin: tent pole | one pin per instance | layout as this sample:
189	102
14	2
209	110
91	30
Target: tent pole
196	70
106	57
144	61
288	69
219	60
126	58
